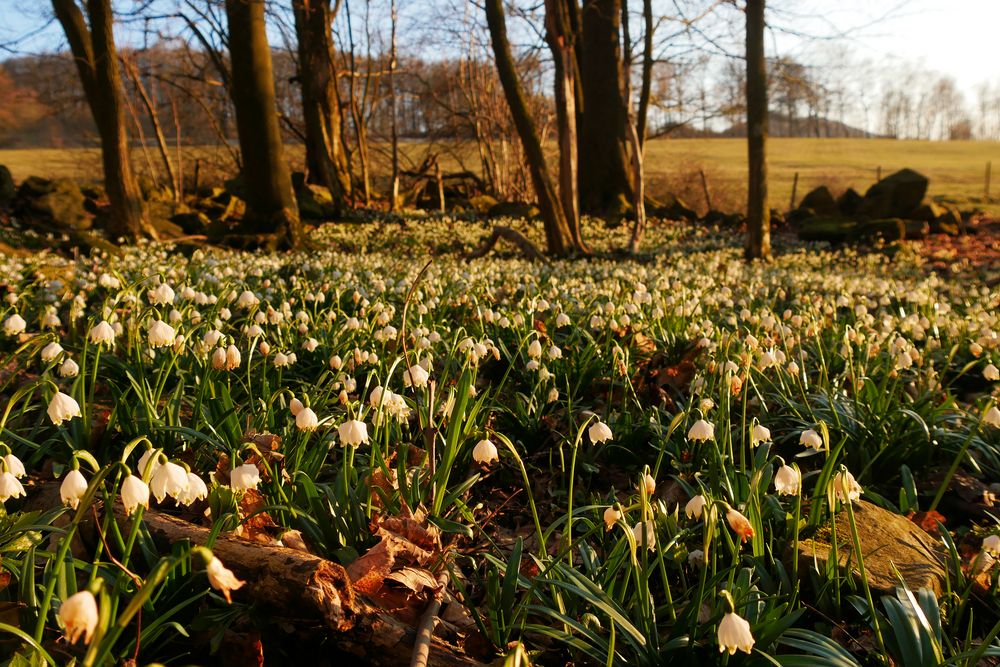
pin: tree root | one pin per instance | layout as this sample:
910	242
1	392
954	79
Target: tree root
512	235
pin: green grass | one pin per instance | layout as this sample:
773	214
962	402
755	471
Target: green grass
956	168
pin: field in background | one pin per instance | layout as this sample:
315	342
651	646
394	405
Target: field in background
956	169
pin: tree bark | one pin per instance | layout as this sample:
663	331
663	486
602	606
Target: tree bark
758	213
560	37
604	178
559	238
647	70
271	205
96	60
320	102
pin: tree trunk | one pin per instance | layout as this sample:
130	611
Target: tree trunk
559	36
558	236
393	121
758	214
97	63
647	70
320	105
271	206
604	165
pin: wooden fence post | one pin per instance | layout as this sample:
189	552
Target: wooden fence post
795	186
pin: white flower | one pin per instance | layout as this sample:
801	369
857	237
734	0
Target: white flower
485	452
416	376
102	333
144	461
169	479
219	359
701	431
644	531
244	477
811	438
14	325
73	486
562	320
695	506
787	481
649	483
78	613
353	432
599	432
162	295
222	578
14	465
247	300
534	349
10	487
845	487
991	373
233	358
611	517
992	417
197	490
306	420
281	360
758	434
295	406
734	633
51	352
134	492
62	408
991	545
69	369
310	345
160	334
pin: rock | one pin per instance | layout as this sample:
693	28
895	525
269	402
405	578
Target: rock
513	209
60	201
929	211
950	222
482	204
821	201
7	187
849	202
889	543
673	208
193	222
896	196
916	229
887	229
834	229
799	215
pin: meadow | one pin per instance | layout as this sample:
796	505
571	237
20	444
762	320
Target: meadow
605	461
956	168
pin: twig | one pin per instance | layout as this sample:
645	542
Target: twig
425	631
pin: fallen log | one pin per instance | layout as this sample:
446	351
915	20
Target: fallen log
294	585
299	585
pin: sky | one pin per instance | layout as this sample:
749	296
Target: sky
956	37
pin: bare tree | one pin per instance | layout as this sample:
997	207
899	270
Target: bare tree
271	206
321	111
96	58
557	232
758	213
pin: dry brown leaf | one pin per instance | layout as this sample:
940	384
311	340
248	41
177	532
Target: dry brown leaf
414	578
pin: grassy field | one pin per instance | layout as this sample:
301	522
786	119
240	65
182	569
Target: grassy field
956	169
